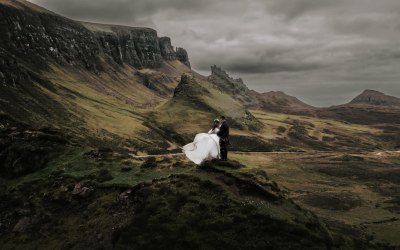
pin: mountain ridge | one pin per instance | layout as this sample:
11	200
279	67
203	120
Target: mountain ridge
276	101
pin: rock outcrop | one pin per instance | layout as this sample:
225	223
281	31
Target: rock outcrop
167	50
218	72
188	87
270	101
169	53
37	37
182	55
41	37
137	47
234	87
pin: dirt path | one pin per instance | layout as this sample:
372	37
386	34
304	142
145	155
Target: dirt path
378	153
149	156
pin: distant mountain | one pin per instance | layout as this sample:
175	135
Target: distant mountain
375	98
370	107
278	101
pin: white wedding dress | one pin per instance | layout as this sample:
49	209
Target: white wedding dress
205	147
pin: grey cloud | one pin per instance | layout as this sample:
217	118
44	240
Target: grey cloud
270	67
293	9
119	11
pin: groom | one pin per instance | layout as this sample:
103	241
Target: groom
223	135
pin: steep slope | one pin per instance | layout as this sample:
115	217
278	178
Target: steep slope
93	81
197	102
268	101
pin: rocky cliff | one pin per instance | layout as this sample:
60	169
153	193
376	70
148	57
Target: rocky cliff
40	37
52	68
275	101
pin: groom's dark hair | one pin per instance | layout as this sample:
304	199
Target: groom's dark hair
222	117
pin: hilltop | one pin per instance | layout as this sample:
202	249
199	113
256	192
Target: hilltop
375	98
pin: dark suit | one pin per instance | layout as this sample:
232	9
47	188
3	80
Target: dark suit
223	135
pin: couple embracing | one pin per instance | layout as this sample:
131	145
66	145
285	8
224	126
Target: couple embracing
211	145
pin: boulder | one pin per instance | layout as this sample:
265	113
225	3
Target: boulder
82	191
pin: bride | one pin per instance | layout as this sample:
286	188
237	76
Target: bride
205	146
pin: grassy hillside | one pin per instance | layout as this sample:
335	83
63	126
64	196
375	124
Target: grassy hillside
93	199
79	102
353	193
196	103
314	133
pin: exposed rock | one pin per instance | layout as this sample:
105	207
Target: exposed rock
167	50
188	87
182	55
234	87
81	190
137	47
38	36
218	72
275	101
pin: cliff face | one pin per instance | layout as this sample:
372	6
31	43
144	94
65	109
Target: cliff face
169	53
137	47
182	55
37	36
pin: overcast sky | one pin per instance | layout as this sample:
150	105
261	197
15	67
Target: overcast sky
322	51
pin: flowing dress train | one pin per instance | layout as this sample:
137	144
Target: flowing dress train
205	147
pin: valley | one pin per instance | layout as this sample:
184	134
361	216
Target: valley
92	121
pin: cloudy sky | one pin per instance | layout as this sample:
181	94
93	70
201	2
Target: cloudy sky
322	51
